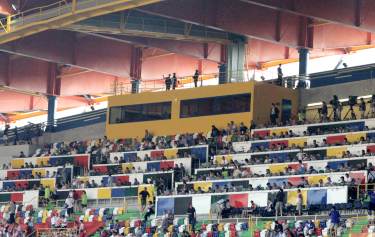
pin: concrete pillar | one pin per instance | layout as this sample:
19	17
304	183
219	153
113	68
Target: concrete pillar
135	86
236	59
223	78
52	108
136	68
303	61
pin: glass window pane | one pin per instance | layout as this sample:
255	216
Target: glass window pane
115	115
215	105
141	112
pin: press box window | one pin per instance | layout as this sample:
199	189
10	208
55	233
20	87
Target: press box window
140	112
215	105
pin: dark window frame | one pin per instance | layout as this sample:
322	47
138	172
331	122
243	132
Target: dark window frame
137	113
217	105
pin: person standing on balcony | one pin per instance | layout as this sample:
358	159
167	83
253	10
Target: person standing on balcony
279	202
334	216
274	114
299	202
324	112
362	108
372	103
144	194
174	81
192	215
168	82
279	75
196	77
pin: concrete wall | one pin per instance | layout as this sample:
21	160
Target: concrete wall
365	87
82	133
8	152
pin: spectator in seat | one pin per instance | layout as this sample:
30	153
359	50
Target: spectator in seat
278	229
12	212
150	210
309	229
371	200
253	207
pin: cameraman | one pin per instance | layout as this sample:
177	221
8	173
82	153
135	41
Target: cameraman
324	112
362	108
372	102
336	108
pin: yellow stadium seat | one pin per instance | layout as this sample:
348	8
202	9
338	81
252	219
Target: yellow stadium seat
335	152
17	163
203	185
292	197
126	166
220	159
48	182
298	142
41	171
313	180
277	168
355	137
104	193
42	161
170	153
278	131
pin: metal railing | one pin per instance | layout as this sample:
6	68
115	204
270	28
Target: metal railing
185	82
60	8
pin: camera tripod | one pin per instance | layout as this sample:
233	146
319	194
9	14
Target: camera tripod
352	114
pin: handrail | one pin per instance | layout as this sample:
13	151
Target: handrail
60	10
35	8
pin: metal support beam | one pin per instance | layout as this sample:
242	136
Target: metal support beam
136	68
69	48
135	86
31	103
9	66
136	23
278	26
303	61
256	22
136	63
53	82
351	13
52	108
191	49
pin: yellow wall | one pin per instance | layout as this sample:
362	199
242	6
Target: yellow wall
265	94
175	124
